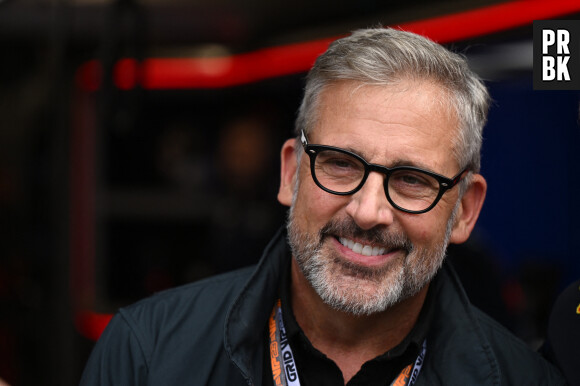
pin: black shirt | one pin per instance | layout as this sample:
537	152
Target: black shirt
315	368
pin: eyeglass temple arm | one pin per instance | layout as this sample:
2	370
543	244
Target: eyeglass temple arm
458	177
303	138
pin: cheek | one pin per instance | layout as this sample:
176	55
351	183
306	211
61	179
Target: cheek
425	229
418	231
315	207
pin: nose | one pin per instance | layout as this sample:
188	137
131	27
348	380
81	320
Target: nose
369	206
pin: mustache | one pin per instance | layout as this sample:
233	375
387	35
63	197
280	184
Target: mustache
375	236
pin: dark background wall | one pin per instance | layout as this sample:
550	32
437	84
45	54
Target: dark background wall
109	195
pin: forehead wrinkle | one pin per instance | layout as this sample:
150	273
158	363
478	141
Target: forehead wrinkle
435	98
393	163
377	155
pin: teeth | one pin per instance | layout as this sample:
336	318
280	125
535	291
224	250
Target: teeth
365	250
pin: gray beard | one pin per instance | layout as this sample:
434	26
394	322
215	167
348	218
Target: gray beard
361	290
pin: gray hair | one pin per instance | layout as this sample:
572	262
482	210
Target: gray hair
384	56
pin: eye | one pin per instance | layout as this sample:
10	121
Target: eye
339	162
413	183
336	163
412	179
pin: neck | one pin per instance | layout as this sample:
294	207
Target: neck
351	340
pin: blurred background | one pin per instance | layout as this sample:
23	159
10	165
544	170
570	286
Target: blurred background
139	149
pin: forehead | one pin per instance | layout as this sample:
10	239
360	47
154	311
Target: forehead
411	122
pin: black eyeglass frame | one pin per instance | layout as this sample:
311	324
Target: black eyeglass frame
445	183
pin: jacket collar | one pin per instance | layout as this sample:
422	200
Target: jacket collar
247	318
458	351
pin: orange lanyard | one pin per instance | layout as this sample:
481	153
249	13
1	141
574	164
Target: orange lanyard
408	376
284	369
281	357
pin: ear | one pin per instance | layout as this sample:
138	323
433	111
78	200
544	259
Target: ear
287	172
469	208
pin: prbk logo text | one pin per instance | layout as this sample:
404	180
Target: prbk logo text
557	55
555	67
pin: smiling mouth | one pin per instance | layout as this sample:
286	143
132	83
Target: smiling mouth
362	249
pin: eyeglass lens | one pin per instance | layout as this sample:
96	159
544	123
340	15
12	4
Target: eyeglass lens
342	173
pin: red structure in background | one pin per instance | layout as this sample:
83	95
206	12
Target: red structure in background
220	72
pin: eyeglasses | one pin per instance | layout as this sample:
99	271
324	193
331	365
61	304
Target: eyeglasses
409	189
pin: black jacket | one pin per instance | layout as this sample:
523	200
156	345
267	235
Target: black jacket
212	333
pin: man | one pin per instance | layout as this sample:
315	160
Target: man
382	176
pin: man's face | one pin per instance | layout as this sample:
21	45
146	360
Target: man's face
332	236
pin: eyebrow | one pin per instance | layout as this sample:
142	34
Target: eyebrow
396	163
